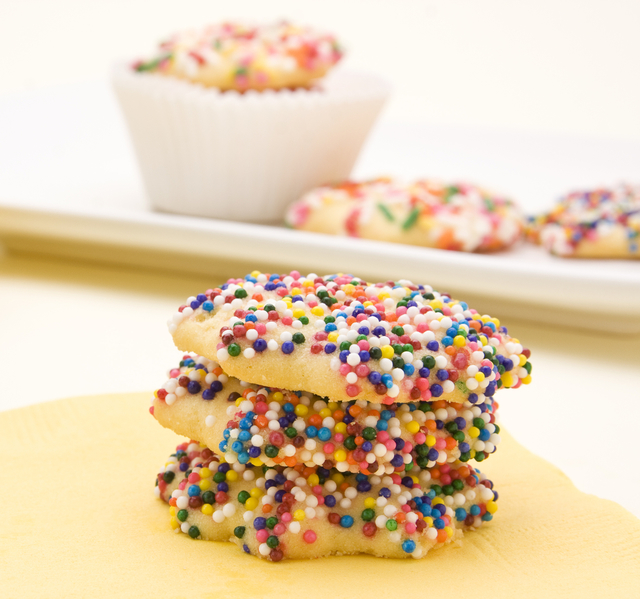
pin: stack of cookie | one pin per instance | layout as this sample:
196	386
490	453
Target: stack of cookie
333	416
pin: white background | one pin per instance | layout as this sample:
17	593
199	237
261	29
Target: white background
549	65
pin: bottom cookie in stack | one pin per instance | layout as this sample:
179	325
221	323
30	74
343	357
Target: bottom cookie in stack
308	512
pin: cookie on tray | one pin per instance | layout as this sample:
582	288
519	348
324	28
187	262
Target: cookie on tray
428	213
598	223
343	338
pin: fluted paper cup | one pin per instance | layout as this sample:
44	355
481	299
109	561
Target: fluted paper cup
244	157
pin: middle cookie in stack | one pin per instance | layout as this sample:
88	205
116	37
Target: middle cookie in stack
385	474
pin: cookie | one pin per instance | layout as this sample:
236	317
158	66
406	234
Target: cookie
250	424
234	56
425	213
600	223
306	513
343	338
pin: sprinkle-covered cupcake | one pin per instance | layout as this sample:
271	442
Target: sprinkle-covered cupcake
232	56
236	121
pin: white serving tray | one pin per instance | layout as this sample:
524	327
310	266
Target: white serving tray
69	186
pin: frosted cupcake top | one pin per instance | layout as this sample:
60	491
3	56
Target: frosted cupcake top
241	57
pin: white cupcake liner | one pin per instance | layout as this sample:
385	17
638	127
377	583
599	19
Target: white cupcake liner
244	157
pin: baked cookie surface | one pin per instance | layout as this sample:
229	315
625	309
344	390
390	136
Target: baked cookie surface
599	223
343	338
313	512
249	424
234	56
425	213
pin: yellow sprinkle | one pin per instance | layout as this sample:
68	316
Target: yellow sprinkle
523	359
333	406
205	473
483	339
474	431
369	503
207	509
341	427
232	476
337	477
299	515
251	504
368	303
479	377
313	480
256	461
430	440
256	492
472	453
340	455
387	351
204	485
437	500
435	304
526	380
383	295
222	459
296	291
174	523
239	400
459	341
317	311
301	410
429	521
486	318
332	336
413	427
172	511
277	396
348	289
307	283
492	507
255	274
298	313
449	531
507	379
325	412
415	480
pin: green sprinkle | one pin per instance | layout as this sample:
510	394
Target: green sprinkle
194	532
386	212
182	515
368	515
411	219
391	524
234	349
239	531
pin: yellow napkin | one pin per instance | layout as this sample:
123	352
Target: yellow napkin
78	518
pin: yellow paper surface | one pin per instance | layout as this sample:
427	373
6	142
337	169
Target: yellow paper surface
78	518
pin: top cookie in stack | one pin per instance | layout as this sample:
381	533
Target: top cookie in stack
346	339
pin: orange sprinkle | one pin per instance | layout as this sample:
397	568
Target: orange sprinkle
374	413
351	320
435	473
266	508
249	325
307	472
450	350
217	371
464	471
439	404
290	461
338	415
345	485
359	440
431	425
400	517
173	501
257	296
315	420
442	535
262	421
355	410
451	443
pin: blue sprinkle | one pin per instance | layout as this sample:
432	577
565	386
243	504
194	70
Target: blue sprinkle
346	521
408	546
329	348
193	491
287	347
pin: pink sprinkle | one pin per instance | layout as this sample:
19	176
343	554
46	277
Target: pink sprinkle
279	528
220	346
396	478
182	485
363	344
320	336
261	407
420	438
286	517
445	479
339	437
287	321
317	489
383	436
406	508
426	395
320	500
262	535
445	468
400	310
282	291
407	447
410	527
261	328
446	311
422	383
328	448
295	274
390	444
312	304
387	401
423	327
194	477
345	369
353	390
362	370
175	372
440	443
361	317
309	536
